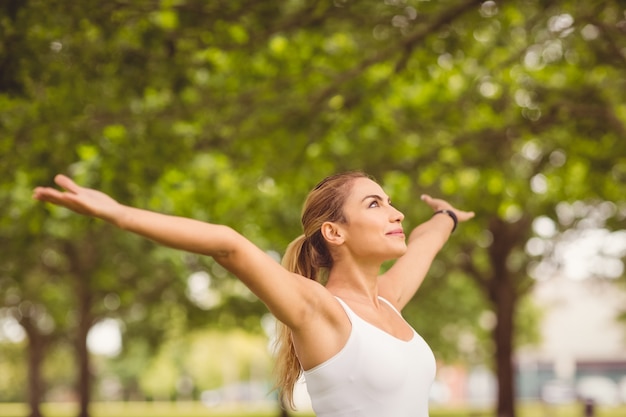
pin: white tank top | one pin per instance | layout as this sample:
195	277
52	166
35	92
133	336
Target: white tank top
374	375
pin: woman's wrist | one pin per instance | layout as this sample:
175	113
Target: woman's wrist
450	214
120	216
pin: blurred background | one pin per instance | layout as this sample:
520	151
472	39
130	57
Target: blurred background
231	111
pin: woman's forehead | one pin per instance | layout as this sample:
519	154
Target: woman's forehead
364	187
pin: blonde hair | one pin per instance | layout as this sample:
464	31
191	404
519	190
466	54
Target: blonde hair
309	256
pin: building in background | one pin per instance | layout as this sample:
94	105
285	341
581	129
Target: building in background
582	353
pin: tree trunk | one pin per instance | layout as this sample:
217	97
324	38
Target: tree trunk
83	383
36	348
83	261
503	341
502	288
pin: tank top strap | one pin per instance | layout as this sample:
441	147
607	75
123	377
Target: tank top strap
390	305
351	314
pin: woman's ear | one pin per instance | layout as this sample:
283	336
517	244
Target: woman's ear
332	233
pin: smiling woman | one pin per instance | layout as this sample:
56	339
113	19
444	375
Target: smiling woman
340	317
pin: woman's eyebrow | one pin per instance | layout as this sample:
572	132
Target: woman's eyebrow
376	197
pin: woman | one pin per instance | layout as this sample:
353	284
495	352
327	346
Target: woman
358	355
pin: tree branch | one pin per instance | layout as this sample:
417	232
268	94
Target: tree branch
407	44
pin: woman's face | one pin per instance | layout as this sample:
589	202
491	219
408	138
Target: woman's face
374	226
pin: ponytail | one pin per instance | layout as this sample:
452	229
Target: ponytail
308	256
301	257
292	255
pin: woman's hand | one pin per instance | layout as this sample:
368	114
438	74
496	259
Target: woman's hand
79	199
438	204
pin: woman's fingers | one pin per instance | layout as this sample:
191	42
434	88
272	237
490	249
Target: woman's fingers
82	200
49	195
52	194
435	204
465	215
44	193
438	204
67	183
66	198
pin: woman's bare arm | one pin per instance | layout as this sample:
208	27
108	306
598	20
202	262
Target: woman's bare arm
400	283
288	296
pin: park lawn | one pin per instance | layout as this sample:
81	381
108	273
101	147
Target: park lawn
167	409
532	410
140	409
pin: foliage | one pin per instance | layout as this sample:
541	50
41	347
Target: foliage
13	376
231	111
210	360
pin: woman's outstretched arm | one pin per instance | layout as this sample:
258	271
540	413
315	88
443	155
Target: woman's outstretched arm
287	295
176	232
402	280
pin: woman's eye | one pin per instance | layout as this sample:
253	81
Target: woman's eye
374	204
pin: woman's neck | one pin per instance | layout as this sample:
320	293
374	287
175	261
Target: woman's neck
355	282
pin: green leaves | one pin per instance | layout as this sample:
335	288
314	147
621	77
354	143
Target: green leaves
230	112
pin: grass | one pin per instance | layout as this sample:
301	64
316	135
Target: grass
533	410
140	409
166	409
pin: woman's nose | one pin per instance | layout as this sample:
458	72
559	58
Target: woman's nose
397	215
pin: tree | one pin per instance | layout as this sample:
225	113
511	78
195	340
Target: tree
507	108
